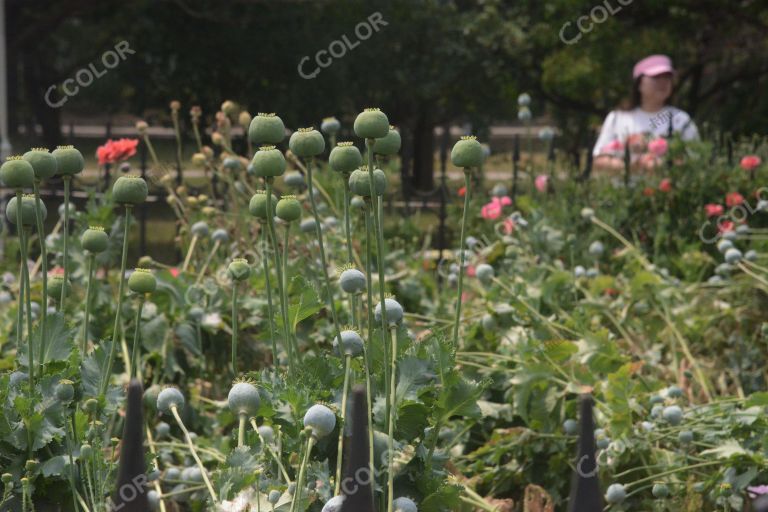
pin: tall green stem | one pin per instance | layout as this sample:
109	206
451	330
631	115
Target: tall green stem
67	181
344	395
135	352
120	289
348	232
216	245
369	291
293	350
457	318
44	262
302	474
241	429
270	309
319	234
84	347
392	411
234	328
285	254
378	225
27	292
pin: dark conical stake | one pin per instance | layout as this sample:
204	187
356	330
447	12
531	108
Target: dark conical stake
585	485
357	485
761	504
131	492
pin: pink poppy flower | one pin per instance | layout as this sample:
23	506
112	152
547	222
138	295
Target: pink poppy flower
658	146
713	210
505	201
174	271
509	226
116	150
462	191
665	185
471	270
614	145
725	226
541	182
492	210
750	162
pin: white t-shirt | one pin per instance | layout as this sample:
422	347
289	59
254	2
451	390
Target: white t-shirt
619	125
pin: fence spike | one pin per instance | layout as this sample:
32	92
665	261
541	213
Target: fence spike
585	484
131	492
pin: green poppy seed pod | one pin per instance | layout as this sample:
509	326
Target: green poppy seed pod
7	478
320	419
94	240
43	163
220	235
142	281
484	273
371	123
239	270
334	504
55	284
274	497
68	160
17	173
306	142
467	152
394	311
359	182
267	434
330	125
294	179
200	229
150	396
86	451
345	158
232	164
244	399
288	208
352	281
65	390
357	203
258	205
351	343
308	225
266	129
404	504
268	162
28	209
170	397
130	190
389	144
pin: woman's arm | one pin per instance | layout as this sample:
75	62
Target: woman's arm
607	160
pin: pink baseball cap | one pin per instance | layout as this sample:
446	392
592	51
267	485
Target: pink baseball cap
653	65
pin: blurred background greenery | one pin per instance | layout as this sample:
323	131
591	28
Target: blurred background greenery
430	63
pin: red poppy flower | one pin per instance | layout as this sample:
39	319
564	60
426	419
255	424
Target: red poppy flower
648	191
174	271
750	162
725	226
713	210
665	185
116	150
733	199
462	191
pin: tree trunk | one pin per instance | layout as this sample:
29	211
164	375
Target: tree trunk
423	152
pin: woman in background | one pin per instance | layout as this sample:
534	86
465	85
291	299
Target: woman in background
649	120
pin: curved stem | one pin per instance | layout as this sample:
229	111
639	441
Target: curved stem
270	310
319	234
344	395
392	412
457	318
121	287
271	452
84	347
44	260
191	446
215	248
378	225
67	181
135	351
234	328
281	289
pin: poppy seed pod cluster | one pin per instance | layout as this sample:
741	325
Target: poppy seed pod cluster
17	173
345	158
28	209
306	142
268	162
266	129
130	190
43	163
371	123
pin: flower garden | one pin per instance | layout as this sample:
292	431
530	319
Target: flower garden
307	350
